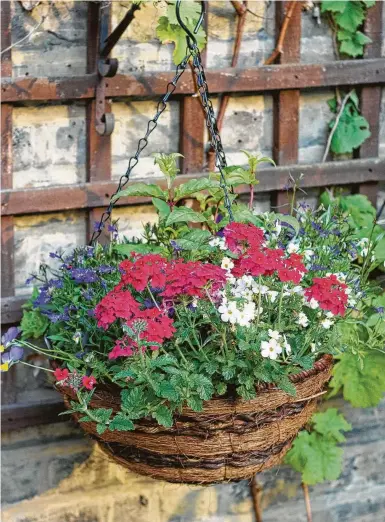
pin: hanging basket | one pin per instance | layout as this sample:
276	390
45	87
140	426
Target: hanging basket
231	439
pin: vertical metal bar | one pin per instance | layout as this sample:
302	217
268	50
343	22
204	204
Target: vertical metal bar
286	103
98	158
371	96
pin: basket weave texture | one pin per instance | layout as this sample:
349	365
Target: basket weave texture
231	439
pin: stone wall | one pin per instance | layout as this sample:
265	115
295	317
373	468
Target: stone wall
52	473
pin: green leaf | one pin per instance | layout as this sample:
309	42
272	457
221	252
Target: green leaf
33	324
290	220
369	3
190	12
162	208
121	423
195	403
166	390
316	457
352	130
184	214
132	399
351	17
141	189
330	424
352	43
101	428
284	383
362	382
204	386
101	414
242	214
163	416
193	186
162	361
337	6
86	418
194	240
141	248
173	33
221	388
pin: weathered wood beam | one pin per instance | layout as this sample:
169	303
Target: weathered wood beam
256	79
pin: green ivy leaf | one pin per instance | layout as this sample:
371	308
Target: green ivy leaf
163	416
141	189
315	457
330	423
184	214
193	186
351	17
362	382
351	132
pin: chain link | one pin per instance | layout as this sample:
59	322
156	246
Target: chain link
211	123
142	144
215	139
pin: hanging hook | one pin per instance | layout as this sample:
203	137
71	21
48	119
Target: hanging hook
190	36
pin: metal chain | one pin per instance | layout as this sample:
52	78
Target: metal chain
142	144
211	123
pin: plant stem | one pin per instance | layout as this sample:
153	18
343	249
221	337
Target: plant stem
152	297
251	197
280	309
307	502
35	366
329	142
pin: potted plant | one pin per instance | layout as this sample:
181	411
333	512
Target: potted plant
197	354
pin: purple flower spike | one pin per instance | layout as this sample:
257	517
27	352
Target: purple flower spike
10	335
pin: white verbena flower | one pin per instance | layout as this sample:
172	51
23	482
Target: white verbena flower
302	320
272	295
286	345
270	349
327	323
292	248
227	263
274	334
313	303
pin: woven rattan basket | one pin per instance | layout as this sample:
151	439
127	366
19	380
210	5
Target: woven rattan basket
231	439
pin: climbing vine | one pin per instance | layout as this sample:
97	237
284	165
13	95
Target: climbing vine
348	129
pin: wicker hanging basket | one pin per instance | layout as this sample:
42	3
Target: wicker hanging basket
231	439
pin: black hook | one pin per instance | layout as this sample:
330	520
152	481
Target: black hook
190	36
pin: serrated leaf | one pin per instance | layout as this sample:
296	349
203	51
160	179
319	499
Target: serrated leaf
86	418
203	386
162	207
190	12
195	403
124	374
166	390
330	423
162	360
315	457
352	130
132	399
184	215
121	423
101	414
351	17
173	33
101	428
285	384
163	416
193	186
362	382
221	388
335	6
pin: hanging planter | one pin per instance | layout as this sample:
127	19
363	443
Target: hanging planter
231	439
196	355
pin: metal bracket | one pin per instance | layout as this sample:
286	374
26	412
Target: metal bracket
107	67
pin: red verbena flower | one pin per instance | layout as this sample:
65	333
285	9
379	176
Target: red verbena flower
61	374
292	269
123	348
88	382
114	305
144	270
192	277
330	294
239	237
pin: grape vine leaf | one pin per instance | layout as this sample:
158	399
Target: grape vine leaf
315	457
362	382
167	32
352	44
352	130
330	424
351	17
337	6
190	12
